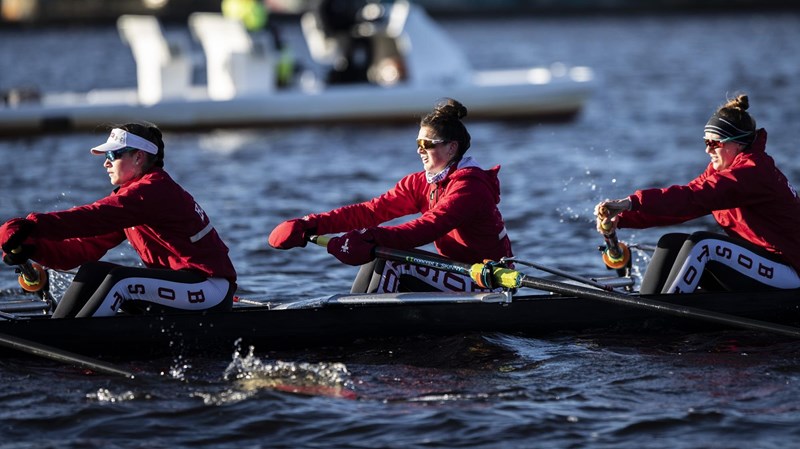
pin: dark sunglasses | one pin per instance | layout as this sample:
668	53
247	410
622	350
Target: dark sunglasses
427	144
714	144
113	155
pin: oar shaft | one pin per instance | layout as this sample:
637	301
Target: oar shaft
658	306
417	258
59	355
508	278
502	277
612	245
566	275
425	260
37	277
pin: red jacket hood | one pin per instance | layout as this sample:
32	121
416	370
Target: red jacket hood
489	177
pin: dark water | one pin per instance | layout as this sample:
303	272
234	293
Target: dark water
660	77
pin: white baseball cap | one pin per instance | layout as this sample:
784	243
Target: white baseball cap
120	139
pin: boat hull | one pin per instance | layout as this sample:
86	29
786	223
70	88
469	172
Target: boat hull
489	97
341	321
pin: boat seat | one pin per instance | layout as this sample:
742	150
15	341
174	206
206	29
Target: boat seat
324	49
237	63
163	68
429	54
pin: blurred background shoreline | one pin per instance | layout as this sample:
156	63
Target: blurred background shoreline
84	12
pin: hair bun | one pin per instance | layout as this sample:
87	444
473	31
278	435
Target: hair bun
741	102
449	106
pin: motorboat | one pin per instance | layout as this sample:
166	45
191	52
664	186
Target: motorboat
390	65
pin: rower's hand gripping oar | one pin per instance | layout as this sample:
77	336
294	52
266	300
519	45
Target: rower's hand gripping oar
616	255
16	231
33	278
508	278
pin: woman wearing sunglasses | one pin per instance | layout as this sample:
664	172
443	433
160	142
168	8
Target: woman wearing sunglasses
187	264
749	197
457	202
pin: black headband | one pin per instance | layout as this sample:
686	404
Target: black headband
727	130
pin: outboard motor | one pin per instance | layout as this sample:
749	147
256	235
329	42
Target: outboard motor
354	32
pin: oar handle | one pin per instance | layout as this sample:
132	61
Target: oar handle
28	271
616	254
32	276
321	240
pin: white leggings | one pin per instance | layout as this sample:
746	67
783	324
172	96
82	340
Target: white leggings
102	288
685	276
176	295
443	281
383	276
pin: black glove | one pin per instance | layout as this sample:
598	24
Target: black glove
20	255
12	235
14	232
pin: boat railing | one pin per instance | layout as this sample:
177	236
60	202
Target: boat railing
13	310
163	67
616	281
419	298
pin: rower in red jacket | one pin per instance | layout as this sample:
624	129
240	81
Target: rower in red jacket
749	197
187	264
457	201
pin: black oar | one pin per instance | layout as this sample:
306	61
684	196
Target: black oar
32	347
561	273
33	278
508	278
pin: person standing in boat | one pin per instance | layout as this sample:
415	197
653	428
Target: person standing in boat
187	264
749	197
457	201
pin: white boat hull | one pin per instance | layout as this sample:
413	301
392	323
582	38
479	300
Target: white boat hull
555	100
241	90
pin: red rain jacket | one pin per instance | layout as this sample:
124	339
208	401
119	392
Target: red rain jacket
163	223
751	200
459	215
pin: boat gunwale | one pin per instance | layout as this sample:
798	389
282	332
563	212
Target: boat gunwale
269	329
